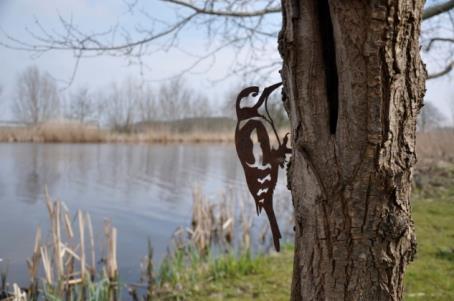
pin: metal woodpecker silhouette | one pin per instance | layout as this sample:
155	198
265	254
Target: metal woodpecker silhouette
261	173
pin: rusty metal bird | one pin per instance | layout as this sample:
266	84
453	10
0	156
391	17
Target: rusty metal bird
261	173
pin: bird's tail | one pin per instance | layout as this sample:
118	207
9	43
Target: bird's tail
274	227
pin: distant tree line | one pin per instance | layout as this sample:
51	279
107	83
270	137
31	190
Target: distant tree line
120	106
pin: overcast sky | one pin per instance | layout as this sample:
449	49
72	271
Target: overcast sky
18	15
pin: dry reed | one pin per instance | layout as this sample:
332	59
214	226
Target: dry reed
110	233
58	256
202	225
54	132
74	132
214	224
65	131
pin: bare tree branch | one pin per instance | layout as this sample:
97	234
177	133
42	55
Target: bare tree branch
433	40
445	71
428	12
227	13
437	9
240	24
75	40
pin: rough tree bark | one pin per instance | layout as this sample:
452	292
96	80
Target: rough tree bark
353	86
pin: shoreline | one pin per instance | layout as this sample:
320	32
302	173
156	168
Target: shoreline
127	141
429	145
79	133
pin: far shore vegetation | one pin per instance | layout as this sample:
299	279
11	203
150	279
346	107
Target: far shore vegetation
131	111
189	130
213	129
135	112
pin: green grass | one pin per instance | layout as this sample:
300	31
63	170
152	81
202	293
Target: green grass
230	277
429	277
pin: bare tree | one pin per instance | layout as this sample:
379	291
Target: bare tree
430	118
178	101
37	97
100	107
121	104
200	107
173	100
82	106
148	105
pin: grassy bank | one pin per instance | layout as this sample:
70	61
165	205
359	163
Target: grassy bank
265	277
429	277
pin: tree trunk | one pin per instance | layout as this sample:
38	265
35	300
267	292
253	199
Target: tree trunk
353	86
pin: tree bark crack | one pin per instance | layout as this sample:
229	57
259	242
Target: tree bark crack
351	191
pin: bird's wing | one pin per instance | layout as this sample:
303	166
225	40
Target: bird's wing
258	168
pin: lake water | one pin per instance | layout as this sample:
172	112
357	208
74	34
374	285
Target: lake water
146	190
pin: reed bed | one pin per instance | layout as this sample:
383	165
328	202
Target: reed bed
64	131
74	132
164	136
54	132
217	243
220	242
64	266
227	223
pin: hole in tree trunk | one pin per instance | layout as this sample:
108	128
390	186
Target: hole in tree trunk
329	59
